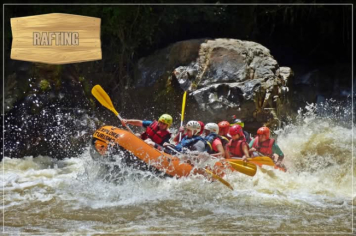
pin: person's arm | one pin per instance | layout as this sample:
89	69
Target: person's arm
125	122
165	142
276	149
220	149
245	151
227	154
176	138
250	146
277	153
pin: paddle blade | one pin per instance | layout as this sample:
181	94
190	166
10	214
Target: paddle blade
262	160
244	167
104	99
224	182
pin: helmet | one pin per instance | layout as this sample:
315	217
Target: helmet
194	126
201	127
212	127
166	119
239	122
265	131
236	129
224	126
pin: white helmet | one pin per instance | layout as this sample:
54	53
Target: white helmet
212	127
194	126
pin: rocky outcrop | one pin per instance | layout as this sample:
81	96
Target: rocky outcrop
224	77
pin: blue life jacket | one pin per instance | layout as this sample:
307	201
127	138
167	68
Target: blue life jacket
189	142
209	140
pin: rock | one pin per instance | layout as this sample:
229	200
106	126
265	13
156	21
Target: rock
150	68
224	77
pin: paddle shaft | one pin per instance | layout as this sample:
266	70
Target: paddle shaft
118	115
182	115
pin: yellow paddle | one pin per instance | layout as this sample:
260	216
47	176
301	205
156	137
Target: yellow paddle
182	115
243	167
219	178
267	161
260	160
104	99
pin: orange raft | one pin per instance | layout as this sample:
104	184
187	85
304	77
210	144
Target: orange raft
107	136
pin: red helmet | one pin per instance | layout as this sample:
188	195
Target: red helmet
264	131
236	129
201	127
224	126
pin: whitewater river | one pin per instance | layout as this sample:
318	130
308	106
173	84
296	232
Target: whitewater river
78	196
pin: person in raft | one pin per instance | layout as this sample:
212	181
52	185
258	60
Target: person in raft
239	122
267	146
237	146
182	129
156	131
192	141
224	127
214	140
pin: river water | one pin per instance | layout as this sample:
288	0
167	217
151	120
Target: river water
45	196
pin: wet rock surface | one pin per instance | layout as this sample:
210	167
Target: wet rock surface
226	77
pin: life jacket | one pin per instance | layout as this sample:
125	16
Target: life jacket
189	142
153	132
235	147
247	137
183	135
265	147
210	139
224	140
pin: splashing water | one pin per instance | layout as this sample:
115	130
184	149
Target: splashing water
45	195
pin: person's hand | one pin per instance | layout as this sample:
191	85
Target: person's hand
252	149
150	142
275	157
181	129
123	122
166	144
244	158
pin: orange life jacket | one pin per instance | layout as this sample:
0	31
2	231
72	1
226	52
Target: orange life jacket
235	147
265	147
153	132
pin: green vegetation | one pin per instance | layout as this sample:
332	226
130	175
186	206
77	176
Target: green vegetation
44	85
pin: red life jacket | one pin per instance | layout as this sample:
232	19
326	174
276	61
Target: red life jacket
153	132
265	147
235	147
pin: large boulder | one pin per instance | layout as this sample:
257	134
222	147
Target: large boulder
224	77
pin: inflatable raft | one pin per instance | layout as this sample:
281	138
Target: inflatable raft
107	137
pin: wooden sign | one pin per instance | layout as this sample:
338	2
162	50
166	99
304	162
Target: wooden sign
56	38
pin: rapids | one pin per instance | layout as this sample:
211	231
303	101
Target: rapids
44	195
